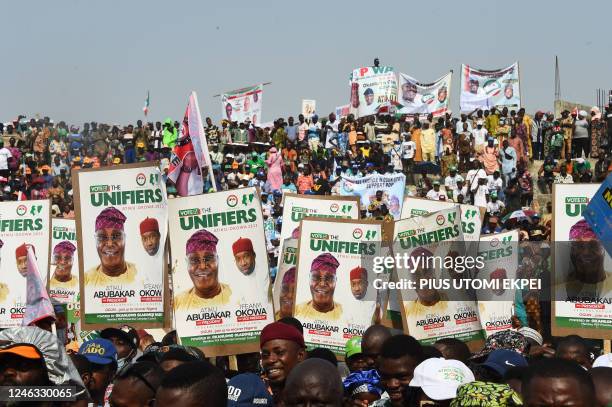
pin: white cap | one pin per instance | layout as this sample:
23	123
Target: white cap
531	334
603	361
582	113
479	122
580	160
440	378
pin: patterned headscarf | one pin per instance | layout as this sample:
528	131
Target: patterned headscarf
364	381
507	339
484	394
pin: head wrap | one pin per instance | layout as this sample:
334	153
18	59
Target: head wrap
531	334
149	225
289	276
364	381
325	262
110	218
507	339
486	394
278	330
357	272
202	240
64	246
581	230
597	115
242	245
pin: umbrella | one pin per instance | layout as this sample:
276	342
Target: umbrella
521	214
426	166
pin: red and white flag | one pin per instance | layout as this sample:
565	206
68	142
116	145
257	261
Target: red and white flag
38	304
190	153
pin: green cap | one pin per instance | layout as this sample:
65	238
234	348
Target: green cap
353	346
452	168
494	194
436	182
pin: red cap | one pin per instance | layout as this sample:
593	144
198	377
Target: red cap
22	250
149	225
278	330
242	245
357	272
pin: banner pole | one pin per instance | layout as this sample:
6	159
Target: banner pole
238	90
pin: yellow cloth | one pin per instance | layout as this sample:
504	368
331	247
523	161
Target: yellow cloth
417	310
306	310
94	277
70	284
190	300
428	141
3	292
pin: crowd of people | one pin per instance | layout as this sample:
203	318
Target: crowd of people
500	160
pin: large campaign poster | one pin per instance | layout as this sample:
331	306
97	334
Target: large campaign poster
121	215
372	87
283	292
582	288
471	216
309	108
22	223
424	98
391	186
500	257
296	207
243	104
335	296
221	283
484	89
433	243
64	276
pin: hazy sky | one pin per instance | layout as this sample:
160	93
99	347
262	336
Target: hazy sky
95	60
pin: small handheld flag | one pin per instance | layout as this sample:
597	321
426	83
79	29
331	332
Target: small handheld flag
145	109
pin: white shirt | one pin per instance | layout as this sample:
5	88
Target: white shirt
408	149
494	184
480	136
495	207
451	182
5	154
480	195
435	196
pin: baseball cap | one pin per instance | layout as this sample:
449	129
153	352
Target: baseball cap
603	361
25	350
125	333
440	378
353	346
247	389
99	351
501	360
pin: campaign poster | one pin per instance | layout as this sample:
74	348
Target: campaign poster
391	186
296	207
335	297
424	98
221	283
582	289
22	223
243	105
471	216
500	257
64	271
432	312
342	111
482	89
121	218
372	87
283	292
309	107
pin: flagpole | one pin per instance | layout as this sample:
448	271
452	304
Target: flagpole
206	153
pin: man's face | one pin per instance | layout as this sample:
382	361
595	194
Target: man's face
203	269
312	390
208	121
395	375
130	393
150	242
228	111
556	391
587	255
245	262
278	357
442	94
359	287
286	299
369	98
357	362
409	92
123	348
22	265
63	264
110	244
322	287
474	87
101	377
575	354
509	92
18	371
